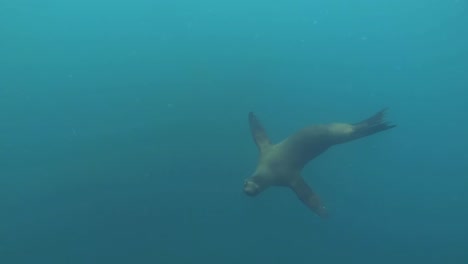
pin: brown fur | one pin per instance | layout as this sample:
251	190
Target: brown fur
281	164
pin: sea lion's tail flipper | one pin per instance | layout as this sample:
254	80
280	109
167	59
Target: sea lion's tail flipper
372	125
308	197
258	133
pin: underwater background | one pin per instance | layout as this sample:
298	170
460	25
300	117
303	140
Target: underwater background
124	134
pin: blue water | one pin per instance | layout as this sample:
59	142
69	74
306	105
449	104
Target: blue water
124	135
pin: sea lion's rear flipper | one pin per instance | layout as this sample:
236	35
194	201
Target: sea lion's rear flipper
308	196
372	125
258	133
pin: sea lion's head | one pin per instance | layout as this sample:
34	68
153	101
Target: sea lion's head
251	188
255	184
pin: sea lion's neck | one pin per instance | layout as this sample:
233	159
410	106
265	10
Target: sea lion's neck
275	167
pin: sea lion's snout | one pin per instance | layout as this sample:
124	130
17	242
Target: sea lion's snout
251	188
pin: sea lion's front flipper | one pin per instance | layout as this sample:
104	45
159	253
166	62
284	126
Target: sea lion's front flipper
308	197
258	132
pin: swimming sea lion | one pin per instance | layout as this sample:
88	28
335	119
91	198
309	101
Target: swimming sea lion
281	164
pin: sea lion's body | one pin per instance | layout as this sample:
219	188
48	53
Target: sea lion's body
281	164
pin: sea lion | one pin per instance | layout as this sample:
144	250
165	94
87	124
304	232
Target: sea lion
281	164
